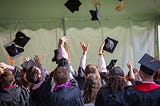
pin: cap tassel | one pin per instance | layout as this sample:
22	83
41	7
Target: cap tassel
11	60
120	6
96	3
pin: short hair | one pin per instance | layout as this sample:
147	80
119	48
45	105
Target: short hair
32	75
146	70
60	75
7	77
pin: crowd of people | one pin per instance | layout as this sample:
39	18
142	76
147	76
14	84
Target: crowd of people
91	85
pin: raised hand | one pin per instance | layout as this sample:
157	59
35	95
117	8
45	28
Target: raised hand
84	47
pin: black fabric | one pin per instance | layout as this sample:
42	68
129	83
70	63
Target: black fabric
149	64
80	78
16	96
28	64
54	59
140	98
70	96
110	44
45	96
73	5
21	39
13	50
110	98
39	96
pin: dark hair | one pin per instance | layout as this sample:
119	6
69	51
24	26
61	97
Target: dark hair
7	78
146	70
32	75
92	86
60	75
115	82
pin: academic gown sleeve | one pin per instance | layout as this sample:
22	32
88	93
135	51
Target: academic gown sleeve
110	98
40	96
136	97
70	96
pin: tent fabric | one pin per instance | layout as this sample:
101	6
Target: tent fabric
134	41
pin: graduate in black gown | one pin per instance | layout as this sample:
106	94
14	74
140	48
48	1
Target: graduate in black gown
146	93
112	94
63	93
11	95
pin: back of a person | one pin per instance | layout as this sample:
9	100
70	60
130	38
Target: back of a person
15	96
110	98
70	96
112	94
136	97
11	95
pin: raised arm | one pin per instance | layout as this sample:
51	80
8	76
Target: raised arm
85	50
101	60
130	67
62	52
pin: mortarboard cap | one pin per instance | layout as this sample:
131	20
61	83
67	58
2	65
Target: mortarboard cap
63	62
28	64
95	15
54	59
12	50
111	64
150	64
21	39
110	44
116	71
73	5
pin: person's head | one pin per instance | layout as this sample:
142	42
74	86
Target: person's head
92	86
149	66
33	74
90	68
116	79
7	78
146	73
60	75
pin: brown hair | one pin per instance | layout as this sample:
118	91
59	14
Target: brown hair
7	77
115	82
92	86
60	75
90	68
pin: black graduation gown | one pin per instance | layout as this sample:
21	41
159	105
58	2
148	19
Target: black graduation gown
80	78
144	94
110	98
15	96
70	96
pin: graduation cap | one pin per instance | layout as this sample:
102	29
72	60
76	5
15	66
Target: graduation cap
28	64
73	5
95	15
150	64
12	50
54	59
110	44
111	64
21	39
116	71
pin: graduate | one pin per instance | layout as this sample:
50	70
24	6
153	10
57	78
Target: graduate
146	93
11	95
112	94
